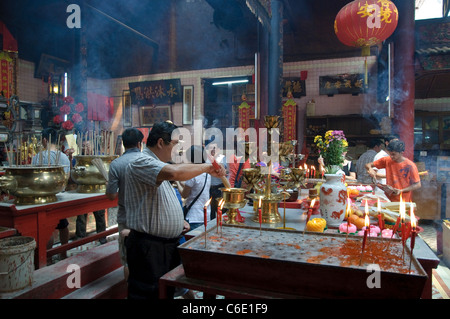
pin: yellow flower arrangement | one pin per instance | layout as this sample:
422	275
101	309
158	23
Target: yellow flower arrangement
331	147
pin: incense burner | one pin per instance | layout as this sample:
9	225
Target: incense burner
87	175
311	265
32	185
234	199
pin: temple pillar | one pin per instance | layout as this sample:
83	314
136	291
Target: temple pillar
404	77
275	58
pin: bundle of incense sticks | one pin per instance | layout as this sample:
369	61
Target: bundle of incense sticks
100	143
21	149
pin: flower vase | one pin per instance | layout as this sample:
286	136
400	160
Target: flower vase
333	199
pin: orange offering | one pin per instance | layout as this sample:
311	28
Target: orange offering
357	221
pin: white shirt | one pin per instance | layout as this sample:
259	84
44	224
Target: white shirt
196	212
379	155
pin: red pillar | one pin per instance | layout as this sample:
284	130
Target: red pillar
404	80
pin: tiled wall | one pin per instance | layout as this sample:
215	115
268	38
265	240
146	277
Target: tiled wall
35	90
29	88
337	104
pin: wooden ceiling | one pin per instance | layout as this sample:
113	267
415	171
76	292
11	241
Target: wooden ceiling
127	38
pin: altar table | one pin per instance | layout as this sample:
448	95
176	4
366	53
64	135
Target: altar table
39	221
296	219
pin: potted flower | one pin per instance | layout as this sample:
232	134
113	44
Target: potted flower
331	148
333	193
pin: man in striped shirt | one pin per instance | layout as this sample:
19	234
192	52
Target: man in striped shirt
115	188
154	214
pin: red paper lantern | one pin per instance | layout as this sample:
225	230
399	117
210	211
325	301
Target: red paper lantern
364	23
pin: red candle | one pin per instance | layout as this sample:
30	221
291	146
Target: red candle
205	213
380	219
402	216
413	234
260	216
221	206
219	212
310	209
348	211
308	216
366	231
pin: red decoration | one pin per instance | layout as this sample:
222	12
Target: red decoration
76	118
364	23
9	43
72	111
65	109
79	107
290	119
99	107
68	100
245	113
67	125
303	75
6	74
58	119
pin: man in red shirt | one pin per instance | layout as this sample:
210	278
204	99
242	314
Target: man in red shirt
402	175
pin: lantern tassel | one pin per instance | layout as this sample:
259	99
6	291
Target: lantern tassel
365	75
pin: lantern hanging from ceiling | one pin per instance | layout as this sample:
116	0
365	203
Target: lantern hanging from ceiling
364	23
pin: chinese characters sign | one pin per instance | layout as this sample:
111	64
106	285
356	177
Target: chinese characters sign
6	74
295	85
156	92
151	115
341	84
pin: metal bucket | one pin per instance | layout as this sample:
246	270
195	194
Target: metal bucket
16	262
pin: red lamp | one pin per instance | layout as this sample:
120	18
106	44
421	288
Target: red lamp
364	23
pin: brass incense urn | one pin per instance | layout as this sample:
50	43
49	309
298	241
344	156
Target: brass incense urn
234	199
32	185
90	172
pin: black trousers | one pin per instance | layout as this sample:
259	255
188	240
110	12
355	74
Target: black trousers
100	223
149	258
215	193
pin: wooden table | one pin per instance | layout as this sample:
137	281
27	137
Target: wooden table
39	221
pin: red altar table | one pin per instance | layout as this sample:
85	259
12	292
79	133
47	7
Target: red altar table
39	221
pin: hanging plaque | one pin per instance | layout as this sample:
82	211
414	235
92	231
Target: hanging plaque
156	92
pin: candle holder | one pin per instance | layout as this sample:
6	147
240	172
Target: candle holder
234	199
271	121
269	207
292	177
252	178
